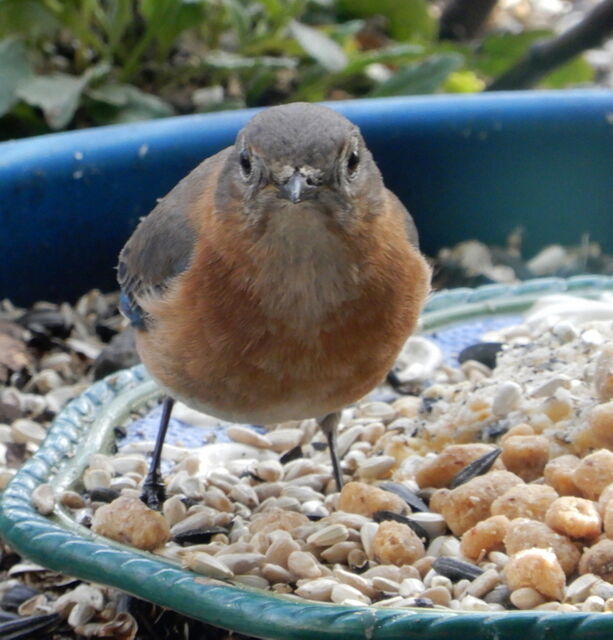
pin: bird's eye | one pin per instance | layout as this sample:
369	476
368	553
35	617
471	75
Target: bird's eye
352	163
245	162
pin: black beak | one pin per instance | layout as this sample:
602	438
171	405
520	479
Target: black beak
295	188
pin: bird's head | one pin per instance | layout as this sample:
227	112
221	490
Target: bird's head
300	158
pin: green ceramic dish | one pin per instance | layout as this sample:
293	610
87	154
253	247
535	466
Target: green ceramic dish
86	426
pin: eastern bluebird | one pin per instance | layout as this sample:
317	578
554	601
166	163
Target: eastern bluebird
277	281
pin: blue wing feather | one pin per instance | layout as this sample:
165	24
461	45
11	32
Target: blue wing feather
161	247
132	311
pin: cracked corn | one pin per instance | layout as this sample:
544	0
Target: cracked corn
302	537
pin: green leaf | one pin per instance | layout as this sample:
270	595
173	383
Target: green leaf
277	13
22	121
167	19
407	19
187	15
274	8
577	71
397	53
500	51
57	95
117	95
14	67
26	17
463	82
319	46
340	32
119	16
131	103
239	18
257	84
313	84
233	62
150	9
421	77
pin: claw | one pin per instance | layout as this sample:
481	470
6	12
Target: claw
154	492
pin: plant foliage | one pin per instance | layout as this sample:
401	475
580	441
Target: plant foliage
74	63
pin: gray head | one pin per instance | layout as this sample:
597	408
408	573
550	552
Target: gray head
304	155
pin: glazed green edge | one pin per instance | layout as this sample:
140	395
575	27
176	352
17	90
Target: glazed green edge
85	426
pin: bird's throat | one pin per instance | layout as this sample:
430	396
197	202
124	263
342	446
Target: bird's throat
305	270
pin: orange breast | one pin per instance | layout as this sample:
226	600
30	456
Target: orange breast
214	346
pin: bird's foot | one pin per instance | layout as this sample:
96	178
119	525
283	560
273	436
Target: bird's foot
329	425
154	492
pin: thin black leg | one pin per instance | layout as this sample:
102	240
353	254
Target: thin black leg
153	494
329	425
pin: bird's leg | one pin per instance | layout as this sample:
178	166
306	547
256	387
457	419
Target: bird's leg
328	425
153	487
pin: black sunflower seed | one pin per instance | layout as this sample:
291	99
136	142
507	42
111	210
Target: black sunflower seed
494	430
409	388
499	595
425	494
427	404
17	594
314	517
198	536
421	602
292	454
51	322
6	616
189	501
28	627
476	468
360	568
103	494
483	352
383	514
456	569
416	503
120	431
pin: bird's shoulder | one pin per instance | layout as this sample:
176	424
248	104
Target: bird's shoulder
397	209
162	245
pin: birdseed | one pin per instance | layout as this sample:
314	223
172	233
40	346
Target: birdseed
296	534
290	530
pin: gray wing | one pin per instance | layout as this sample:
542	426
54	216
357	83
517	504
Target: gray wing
409	222
162	245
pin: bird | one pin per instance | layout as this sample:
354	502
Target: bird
277	281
